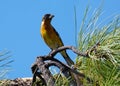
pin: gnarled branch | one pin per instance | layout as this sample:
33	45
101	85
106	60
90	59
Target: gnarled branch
42	64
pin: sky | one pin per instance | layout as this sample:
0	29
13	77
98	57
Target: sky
20	27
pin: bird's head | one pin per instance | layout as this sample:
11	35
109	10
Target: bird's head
47	18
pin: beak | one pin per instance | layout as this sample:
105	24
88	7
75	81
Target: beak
51	16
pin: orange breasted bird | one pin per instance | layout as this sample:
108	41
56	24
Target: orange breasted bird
52	38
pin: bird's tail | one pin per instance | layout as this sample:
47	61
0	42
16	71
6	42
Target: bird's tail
67	58
74	78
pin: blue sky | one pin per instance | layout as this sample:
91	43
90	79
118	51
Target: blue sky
20	27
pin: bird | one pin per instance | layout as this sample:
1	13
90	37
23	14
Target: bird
52	38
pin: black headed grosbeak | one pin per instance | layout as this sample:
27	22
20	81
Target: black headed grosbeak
52	38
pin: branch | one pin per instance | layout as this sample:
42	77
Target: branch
34	69
45	71
64	67
54	52
42	64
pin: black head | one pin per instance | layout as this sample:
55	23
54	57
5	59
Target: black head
47	17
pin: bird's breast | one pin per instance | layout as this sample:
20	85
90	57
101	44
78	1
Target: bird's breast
50	36
47	35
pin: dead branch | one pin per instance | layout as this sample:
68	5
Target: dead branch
75	50
41	67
